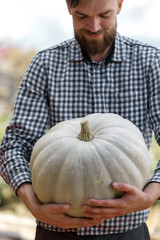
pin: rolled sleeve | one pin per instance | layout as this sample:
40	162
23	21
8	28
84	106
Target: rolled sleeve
28	124
156	175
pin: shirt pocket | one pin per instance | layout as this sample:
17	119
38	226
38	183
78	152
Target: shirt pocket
127	104
129	99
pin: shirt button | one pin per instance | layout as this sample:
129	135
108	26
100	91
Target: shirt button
96	67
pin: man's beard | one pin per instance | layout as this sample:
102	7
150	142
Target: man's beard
93	47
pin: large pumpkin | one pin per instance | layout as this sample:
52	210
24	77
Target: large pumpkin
70	169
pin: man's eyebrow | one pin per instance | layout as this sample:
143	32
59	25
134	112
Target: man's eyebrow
103	13
106	12
79	13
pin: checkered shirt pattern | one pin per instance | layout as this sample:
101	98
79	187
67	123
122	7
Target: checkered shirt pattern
62	83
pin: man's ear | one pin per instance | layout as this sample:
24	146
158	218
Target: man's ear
120	2
69	9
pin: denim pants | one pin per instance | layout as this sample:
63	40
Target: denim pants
140	233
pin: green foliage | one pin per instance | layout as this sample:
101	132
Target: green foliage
4	120
6	193
154	154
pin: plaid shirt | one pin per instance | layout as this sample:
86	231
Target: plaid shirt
62	83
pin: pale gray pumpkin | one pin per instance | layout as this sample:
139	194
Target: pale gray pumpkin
67	169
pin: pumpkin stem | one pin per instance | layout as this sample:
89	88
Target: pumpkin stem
86	133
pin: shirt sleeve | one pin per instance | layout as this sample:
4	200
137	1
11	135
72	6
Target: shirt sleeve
154	106
29	123
156	175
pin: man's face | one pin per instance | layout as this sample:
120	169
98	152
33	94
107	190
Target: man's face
95	24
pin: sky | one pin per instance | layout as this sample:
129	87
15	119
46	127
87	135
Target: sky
43	23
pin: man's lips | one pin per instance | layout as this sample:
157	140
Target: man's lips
93	34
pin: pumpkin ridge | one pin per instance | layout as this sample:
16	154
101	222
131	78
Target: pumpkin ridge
110	170
135	165
70	184
53	136
42	169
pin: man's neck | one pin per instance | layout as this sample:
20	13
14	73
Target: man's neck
102	56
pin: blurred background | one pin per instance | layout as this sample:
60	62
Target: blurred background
28	26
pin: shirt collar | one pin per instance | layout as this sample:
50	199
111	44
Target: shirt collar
75	51
119	53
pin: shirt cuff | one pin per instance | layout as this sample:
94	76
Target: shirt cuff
156	175
19	179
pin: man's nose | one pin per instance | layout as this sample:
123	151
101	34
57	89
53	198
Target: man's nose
93	25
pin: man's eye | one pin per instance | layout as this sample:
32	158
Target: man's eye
81	16
104	16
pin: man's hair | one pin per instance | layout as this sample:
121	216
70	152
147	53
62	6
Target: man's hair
72	3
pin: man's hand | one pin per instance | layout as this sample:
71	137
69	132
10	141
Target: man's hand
132	200
53	214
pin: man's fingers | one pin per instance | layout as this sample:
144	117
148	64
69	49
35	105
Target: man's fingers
109	203
124	187
57	208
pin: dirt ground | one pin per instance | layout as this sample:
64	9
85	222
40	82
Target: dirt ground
22	223
18	222
154	222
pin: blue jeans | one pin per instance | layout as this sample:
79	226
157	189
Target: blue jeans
140	233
